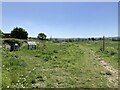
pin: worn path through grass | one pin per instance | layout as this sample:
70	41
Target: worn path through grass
111	73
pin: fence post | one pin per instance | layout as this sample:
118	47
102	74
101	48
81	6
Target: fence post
103	43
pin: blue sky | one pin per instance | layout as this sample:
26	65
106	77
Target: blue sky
62	20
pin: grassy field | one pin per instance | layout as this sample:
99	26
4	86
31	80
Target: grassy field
59	65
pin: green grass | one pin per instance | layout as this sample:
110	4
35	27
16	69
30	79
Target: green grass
58	65
110	54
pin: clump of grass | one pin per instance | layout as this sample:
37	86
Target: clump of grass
47	58
14	77
112	53
37	55
55	57
108	73
44	52
40	78
22	64
55	51
102	73
33	81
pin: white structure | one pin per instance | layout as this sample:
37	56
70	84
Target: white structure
33	44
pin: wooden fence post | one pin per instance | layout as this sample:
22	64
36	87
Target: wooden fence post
103	43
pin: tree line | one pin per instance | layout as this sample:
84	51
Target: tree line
21	33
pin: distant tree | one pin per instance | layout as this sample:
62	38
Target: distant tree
51	37
71	40
1	33
92	38
89	38
100	38
41	36
79	39
114	38
19	33
56	40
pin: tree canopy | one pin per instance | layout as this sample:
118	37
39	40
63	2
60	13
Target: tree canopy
19	33
41	36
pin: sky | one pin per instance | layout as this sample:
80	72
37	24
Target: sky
62	19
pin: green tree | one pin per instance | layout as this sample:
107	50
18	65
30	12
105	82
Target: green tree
1	33
41	36
19	33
